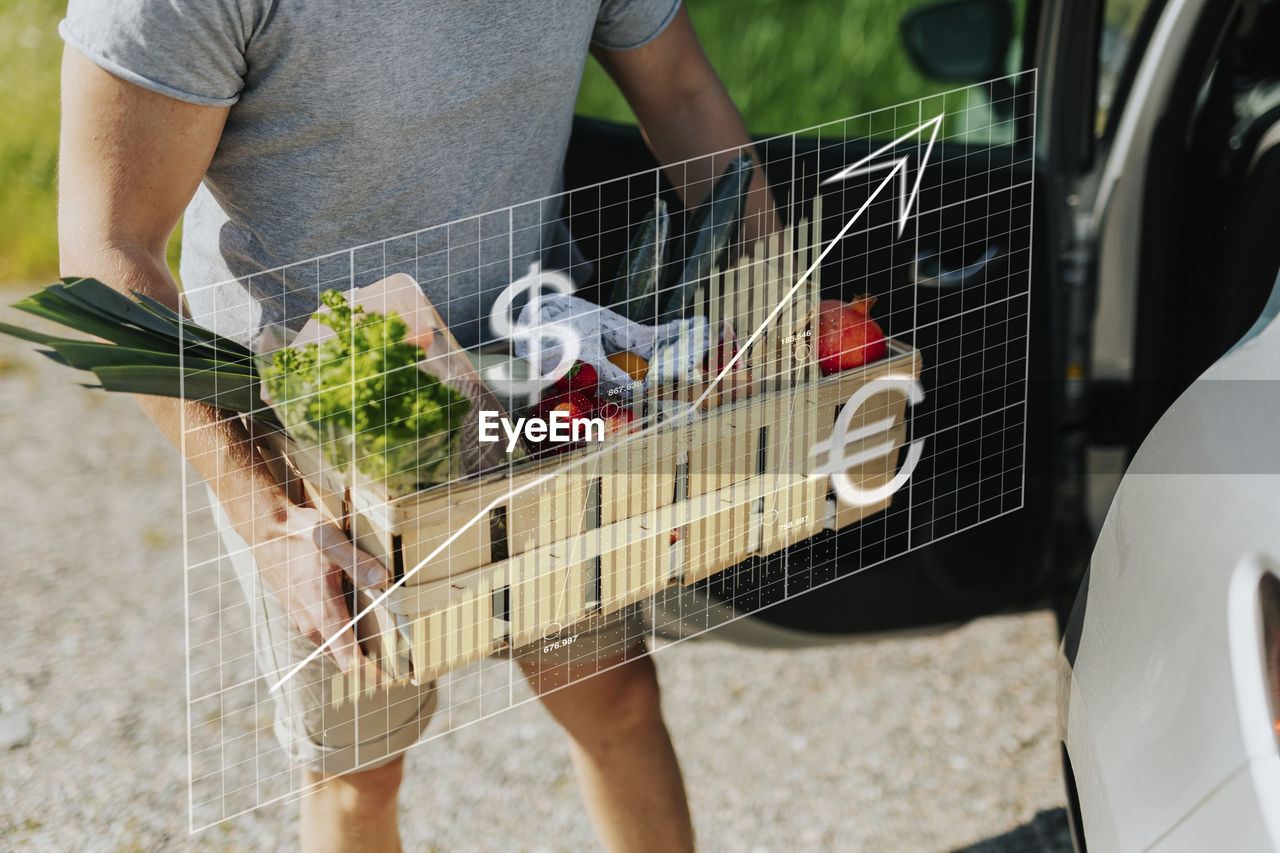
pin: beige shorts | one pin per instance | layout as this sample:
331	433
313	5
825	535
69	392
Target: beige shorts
331	738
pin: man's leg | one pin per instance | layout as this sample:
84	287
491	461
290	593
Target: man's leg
353	812
626	765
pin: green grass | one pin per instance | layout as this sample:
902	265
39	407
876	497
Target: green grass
29	143
788	65
793	64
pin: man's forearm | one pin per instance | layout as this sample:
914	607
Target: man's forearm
690	129
215	442
129	163
682	135
696	126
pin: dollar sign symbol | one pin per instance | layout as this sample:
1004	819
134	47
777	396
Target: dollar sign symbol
503	324
829	456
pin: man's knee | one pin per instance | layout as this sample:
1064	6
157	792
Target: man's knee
614	705
365	791
633	694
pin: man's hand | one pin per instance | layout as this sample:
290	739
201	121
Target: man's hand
304	561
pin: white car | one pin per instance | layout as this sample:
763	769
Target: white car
1170	662
1170	667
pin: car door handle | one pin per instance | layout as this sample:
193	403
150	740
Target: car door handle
929	271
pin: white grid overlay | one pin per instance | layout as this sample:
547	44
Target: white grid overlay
955	286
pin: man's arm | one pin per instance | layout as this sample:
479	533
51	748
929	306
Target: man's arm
684	113
129	162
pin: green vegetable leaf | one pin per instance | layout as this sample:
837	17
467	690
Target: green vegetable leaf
146	348
220	389
633	290
52	306
361	397
711	231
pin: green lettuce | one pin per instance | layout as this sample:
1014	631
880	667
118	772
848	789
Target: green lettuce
361	399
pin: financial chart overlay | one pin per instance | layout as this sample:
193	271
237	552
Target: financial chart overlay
578	429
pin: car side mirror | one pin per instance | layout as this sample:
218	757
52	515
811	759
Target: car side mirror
959	40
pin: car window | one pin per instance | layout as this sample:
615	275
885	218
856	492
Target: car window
1125	26
805	62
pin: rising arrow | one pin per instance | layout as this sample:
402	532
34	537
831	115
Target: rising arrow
873	163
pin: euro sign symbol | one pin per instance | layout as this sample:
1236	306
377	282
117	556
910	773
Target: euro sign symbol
829	456
505	325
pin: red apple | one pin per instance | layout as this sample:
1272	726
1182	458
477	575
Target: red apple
847	336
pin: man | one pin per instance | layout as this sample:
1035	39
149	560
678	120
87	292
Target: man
288	129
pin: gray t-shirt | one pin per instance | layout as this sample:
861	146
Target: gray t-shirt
351	123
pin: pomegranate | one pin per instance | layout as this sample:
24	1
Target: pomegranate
847	336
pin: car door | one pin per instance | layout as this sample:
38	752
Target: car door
1171	199
1174	238
970	283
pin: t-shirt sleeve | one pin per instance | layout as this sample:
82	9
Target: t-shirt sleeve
194	52
627	24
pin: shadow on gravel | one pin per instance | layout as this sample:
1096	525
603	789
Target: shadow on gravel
1047	832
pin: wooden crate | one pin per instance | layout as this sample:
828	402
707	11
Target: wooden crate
514	557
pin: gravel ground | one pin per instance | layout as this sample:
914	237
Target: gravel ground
921	744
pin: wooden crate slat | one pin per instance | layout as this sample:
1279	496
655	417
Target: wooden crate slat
776	419
435	647
485	641
548	580
469	646
421	651
375	539
612	571
393	651
696	539
701	458
524	601
448	628
612	496
456	628
817	488
809	492
478	644
521	507
449	635
547	500
712	555
422	535
634	535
